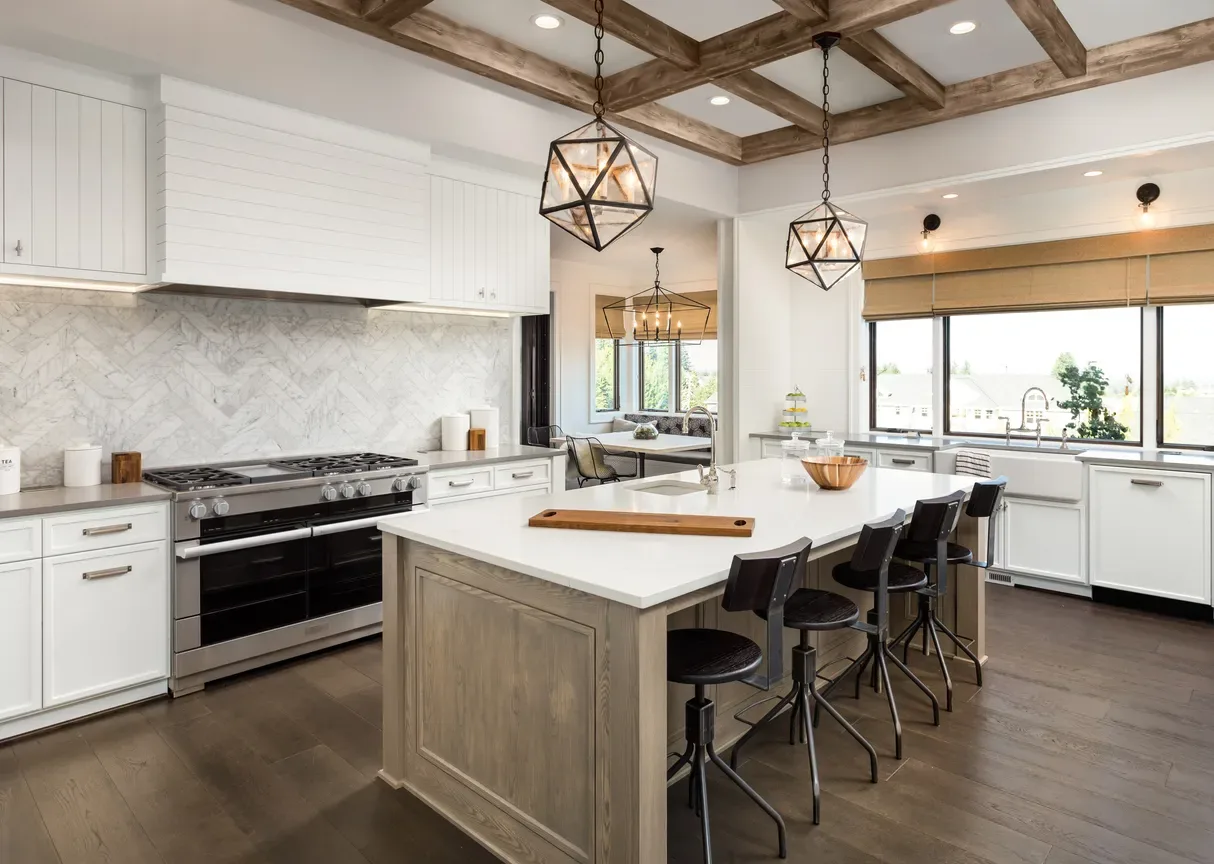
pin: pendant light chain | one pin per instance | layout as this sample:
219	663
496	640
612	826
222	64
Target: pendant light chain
825	124
657	269
599	108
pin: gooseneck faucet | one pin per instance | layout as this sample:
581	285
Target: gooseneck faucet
709	480
1023	427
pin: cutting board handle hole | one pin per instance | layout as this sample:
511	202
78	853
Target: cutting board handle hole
548	513
741	523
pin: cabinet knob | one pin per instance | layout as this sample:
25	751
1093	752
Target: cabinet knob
481	293
19	249
493	295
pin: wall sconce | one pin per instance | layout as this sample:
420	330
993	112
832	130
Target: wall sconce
930	223
1148	194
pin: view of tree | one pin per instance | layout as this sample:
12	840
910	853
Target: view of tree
961	369
656	361
1065	359
1089	416
605	397
889	369
696	390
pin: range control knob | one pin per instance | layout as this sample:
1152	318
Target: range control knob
198	510
347	491
400	484
364	489
220	507
328	493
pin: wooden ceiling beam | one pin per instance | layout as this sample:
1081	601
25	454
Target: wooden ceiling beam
770	96
755	44
638	28
1051	29
392	12
1164	51
483	54
813	11
877	54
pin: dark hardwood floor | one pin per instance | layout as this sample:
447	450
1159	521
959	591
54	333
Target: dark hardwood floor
1092	741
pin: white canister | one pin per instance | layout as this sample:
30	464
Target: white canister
10	470
488	419
82	464
455	431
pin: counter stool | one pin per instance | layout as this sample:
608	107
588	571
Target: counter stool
702	657
809	610
872	569
927	544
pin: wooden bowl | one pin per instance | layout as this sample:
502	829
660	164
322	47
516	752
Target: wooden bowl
834	472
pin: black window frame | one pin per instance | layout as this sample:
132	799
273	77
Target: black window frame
676	396
615	378
948	374
872	387
1160	441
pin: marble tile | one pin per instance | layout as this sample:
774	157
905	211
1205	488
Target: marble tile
187	379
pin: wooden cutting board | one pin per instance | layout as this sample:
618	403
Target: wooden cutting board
645	523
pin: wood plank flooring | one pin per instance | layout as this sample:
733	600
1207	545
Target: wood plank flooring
1092	742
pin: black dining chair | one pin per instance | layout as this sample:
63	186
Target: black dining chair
542	436
590	462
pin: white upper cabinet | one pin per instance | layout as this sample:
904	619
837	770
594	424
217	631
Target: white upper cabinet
260	197
74	185
489	247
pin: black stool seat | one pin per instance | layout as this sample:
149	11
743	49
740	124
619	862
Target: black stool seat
703	656
915	550
811	609
902	578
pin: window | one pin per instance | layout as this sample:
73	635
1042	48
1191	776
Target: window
656	375
698	375
1186	376
606	375
1088	362
900	353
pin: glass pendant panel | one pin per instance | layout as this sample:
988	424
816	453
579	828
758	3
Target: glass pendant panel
576	221
613	222
825	244
620	182
559	189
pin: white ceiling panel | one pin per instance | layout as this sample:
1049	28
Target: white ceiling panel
702	19
1103	22
738	117
1000	43
572	44
851	84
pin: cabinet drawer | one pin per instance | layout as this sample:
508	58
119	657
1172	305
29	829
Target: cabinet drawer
1150	532
523	474
89	530
905	461
20	638
449	484
866	455
20	539
771	449
105	621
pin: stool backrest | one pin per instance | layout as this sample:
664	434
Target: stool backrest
762	581
590	458
873	553
984	504
935	519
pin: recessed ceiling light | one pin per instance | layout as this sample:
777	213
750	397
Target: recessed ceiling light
719	100
963	27
950	196
547	22
1092	173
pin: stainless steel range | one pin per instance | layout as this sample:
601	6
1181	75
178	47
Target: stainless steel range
273	559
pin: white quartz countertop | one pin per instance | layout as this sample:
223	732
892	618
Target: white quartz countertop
438	459
1149	458
644	570
52	499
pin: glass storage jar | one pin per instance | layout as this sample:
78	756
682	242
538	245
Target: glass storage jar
791	454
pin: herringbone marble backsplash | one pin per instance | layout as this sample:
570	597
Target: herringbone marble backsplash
184	379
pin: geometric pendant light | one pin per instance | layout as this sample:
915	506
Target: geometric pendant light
598	184
825	244
658	316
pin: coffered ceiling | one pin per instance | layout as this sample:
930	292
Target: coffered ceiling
898	67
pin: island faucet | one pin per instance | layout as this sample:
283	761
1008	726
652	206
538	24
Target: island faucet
709	480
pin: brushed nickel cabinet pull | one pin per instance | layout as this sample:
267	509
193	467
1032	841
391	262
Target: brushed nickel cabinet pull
903	461
19	249
108	529
1155	483
105	574
459	484
522	475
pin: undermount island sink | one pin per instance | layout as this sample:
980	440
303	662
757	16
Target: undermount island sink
671	488
1052	475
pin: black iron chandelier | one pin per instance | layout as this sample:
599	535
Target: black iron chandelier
658	316
598	184
825	244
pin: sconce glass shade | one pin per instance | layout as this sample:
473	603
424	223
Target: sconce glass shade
599	184
825	244
658	317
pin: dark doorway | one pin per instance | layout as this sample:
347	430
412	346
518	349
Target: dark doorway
537	373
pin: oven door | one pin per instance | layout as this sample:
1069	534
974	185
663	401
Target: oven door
243	586
346	565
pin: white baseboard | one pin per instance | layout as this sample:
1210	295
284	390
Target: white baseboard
75	711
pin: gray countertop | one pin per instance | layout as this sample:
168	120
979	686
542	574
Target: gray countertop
52	499
1150	458
436	459
862	439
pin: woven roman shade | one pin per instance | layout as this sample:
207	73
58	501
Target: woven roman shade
1185	277
601	330
709	299
1080	285
899	297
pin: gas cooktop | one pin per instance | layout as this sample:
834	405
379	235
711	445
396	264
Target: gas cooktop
194	478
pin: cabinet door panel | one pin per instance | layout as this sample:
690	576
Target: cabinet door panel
105	627
480	245
111	186
90	184
1044	539
1150	532
134	185
18	171
20	638
67	179
42	179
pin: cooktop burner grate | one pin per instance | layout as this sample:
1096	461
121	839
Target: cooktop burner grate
194	478
345	463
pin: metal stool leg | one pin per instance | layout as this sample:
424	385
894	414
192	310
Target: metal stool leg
780	706
752	794
680	762
851	730
948	681
915	680
964	649
865	659
893	707
807	730
702	803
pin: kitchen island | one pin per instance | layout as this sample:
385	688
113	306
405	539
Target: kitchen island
525	693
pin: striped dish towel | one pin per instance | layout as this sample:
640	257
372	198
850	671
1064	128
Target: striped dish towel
975	463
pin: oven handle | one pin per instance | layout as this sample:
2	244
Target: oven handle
355	524
191	552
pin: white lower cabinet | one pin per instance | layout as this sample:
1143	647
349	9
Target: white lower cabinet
105	621
904	460
1150	532
534	477
20	638
1043	539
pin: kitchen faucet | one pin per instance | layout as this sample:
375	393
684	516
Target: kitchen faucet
1007	427
709	480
